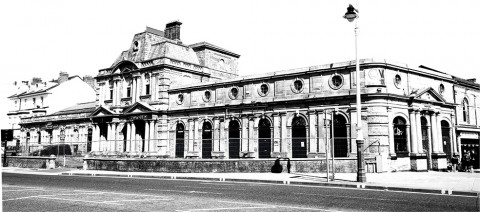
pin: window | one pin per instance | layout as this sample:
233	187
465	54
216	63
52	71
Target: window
400	135
180	98
337	81
297	86
441	89
147	84
34	102
207	96
129	88
233	94
397	81
465	110
263	90
41	100
111	89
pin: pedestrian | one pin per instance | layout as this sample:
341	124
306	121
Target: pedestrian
467	158
277	167
288	165
454	161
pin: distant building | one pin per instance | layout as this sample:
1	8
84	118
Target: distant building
38	98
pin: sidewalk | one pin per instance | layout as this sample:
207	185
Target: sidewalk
460	183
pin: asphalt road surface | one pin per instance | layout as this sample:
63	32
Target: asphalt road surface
23	192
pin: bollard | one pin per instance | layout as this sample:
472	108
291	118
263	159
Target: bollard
85	165
51	164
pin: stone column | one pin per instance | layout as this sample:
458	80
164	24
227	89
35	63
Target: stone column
276	133
222	138
134	89
434	133
96	138
413	131
146	142
133	138
216	134
312	147
283	139
321	133
251	137
419	131
197	143
190	135
453	135
153	141
244	139
128	136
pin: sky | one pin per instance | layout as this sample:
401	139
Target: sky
43	37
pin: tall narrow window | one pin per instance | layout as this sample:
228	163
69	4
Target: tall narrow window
465	110
41	101
129	88
34	102
147	84
111	89
400	135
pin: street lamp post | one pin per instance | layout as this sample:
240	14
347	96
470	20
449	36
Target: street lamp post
351	15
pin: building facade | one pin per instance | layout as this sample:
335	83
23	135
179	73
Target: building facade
163	98
37	100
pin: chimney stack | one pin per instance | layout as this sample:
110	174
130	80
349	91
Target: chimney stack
36	80
172	30
63	77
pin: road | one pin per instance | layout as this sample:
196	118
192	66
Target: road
22	192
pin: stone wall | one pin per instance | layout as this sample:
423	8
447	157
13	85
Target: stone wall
28	162
344	165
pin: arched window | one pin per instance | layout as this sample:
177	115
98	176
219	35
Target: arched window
465	110
400	134
180	141
147	84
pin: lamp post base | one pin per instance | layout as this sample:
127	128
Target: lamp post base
361	177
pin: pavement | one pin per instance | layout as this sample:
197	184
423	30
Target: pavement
448	183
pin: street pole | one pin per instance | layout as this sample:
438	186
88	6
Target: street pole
333	143
351	15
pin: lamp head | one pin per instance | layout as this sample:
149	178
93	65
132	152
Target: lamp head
351	13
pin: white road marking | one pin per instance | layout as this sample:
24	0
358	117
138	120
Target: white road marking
222	209
190	192
18	198
236	189
350	197
277	206
28	189
74	200
219	183
134	200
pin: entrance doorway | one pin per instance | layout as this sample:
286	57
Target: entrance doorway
299	138
234	139
180	141
89	139
340	136
447	146
264	139
207	140
139	135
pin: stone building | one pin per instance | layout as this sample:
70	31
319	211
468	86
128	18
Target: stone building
35	100
162	98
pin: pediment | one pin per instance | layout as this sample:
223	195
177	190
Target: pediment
139	107
102	111
429	94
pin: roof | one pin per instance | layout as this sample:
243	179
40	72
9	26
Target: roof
173	51
86	107
33	91
154	31
205	45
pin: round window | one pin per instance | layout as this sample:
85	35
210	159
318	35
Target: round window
180	98
336	81
297	86
207	96
263	89
397	81
233	93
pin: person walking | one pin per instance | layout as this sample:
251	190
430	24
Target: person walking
467	157
454	161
